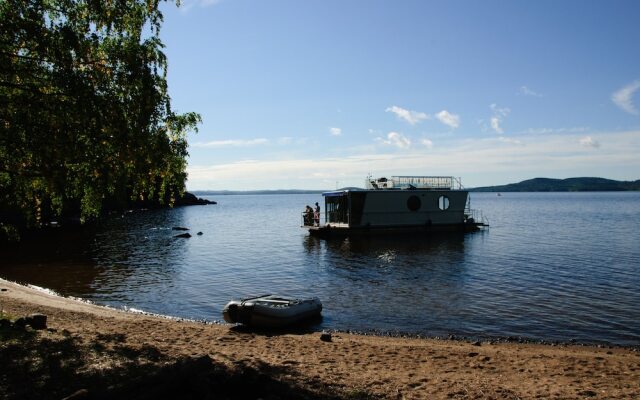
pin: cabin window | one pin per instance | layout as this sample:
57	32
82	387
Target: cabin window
414	203
443	202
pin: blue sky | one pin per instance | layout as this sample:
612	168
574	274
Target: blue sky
318	94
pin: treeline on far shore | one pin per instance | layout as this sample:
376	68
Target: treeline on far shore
237	192
564	185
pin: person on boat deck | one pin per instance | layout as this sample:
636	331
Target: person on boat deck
316	215
308	215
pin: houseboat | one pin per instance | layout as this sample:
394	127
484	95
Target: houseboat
400	204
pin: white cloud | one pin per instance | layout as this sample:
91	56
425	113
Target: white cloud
495	125
426	143
528	92
588	141
335	131
498	116
623	97
232	143
483	125
412	117
508	140
502	112
494	162
575	129
449	119
396	139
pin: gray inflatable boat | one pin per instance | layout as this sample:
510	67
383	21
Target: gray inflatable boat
271	311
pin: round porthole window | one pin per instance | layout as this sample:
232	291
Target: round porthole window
443	202
414	203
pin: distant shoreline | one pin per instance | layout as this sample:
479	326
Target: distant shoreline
586	184
245	192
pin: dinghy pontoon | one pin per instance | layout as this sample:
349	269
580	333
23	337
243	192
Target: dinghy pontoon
271	311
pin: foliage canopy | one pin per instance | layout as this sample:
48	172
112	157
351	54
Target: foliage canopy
85	115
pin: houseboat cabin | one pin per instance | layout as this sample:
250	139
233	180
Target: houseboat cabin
399	204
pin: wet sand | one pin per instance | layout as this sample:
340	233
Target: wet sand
351	366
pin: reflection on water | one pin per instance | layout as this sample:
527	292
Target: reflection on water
425	245
552	266
69	277
140	253
57	262
394	284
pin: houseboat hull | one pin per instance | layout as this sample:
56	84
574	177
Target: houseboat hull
329	231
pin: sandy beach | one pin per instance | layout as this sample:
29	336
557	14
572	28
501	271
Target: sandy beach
87	348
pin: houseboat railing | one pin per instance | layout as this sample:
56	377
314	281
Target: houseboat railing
342	217
476	216
416	182
310	219
473	214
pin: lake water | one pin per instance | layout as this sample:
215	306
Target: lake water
552	266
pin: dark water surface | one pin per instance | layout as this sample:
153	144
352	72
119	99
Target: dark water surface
553	266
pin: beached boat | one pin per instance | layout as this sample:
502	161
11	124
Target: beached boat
401	204
271	311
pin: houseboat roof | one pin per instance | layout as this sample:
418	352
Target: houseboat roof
404	182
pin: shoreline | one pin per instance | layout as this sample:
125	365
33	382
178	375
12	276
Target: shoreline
369	333
350	365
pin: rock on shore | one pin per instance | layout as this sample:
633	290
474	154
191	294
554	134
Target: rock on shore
190	199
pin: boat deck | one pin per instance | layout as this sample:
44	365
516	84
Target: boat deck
342	230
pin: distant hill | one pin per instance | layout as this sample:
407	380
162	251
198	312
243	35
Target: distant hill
563	185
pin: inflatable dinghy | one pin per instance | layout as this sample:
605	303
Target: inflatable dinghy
271	311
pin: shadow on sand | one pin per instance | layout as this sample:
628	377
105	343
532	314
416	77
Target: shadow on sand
304	327
52	365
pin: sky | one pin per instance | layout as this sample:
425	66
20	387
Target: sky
321	94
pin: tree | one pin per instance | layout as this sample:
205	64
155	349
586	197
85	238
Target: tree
85	115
